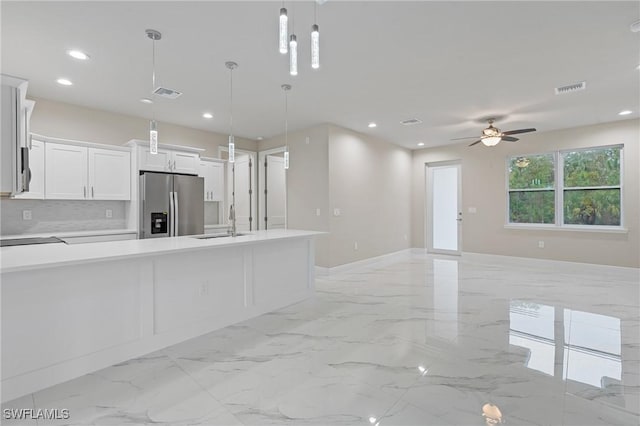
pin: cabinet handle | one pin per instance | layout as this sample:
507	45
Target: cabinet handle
84	191
169	165
92	196
174	164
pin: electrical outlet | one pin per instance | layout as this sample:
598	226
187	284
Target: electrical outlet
317	212
540	244
355	245
204	289
26	214
336	212
109	213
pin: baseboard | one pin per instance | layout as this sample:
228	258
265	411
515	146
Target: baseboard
366	263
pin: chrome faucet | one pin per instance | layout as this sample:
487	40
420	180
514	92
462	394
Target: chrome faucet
232	218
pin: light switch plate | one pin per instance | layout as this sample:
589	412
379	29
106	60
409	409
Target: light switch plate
109	213
317	212
26	214
336	212
472	210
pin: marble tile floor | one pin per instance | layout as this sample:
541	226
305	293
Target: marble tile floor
428	340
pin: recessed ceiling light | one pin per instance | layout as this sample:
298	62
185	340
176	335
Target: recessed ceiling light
420	143
372	125
625	112
64	82
78	54
146	101
259	138
207	115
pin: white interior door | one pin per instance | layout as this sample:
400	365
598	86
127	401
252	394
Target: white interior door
276	192
243	205
444	211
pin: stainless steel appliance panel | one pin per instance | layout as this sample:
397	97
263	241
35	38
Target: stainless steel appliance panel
157	219
189	204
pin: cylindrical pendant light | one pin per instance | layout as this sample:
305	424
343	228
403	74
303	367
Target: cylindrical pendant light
315	47
232	146
153	126
293	55
283	30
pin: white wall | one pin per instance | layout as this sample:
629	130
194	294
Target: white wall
368	179
483	187
67	121
370	182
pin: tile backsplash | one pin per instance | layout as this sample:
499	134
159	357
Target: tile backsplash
60	216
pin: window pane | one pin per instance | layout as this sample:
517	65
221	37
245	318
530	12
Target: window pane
531	207
592	207
594	167
536	171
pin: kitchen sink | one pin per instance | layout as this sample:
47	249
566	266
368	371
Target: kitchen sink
207	237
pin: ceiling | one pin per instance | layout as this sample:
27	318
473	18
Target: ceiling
448	64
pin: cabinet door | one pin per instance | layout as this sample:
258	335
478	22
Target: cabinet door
154	162
109	174
65	172
216	185
204	172
185	162
36	165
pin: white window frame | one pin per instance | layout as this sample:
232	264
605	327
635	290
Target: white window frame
559	189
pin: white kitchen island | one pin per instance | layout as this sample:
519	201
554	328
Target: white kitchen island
68	310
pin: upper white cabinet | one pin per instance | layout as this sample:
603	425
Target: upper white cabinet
109	174
75	172
36	167
212	171
168	160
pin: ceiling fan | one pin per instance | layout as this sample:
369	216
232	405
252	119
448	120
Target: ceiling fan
491	136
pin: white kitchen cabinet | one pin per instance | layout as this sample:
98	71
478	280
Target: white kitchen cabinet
36	166
109	174
213	173
74	172
168	161
66	172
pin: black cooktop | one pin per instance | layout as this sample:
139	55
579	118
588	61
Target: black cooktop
28	241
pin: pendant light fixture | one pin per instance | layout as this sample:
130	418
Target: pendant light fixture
283	30
315	39
293	55
153	126
286	88
232	146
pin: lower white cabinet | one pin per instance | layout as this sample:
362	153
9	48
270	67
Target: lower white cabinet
213	173
36	166
75	172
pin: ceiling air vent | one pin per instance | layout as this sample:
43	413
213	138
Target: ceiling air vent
167	93
410	122
569	88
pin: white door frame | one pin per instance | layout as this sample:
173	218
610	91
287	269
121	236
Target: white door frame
260	170
429	207
227	195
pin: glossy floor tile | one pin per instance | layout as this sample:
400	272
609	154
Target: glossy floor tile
426	340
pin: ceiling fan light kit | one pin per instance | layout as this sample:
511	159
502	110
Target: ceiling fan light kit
492	136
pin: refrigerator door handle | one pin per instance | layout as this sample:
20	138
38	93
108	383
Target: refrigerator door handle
176	222
171	214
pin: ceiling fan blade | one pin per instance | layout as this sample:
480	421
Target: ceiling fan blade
478	141
509	139
459	139
515	132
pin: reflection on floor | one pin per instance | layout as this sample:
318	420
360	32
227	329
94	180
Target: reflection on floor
424	341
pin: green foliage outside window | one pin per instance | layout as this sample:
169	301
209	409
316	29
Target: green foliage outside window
536	204
592	168
590	189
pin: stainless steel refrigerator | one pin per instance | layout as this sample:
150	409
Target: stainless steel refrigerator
170	205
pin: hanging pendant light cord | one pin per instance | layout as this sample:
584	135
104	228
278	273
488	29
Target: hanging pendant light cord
231	101
153	78
286	118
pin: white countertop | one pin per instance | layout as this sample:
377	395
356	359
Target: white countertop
68	234
24	258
